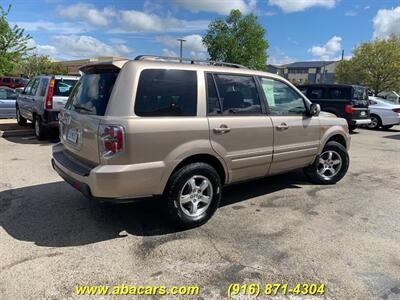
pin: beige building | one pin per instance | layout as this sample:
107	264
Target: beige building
74	65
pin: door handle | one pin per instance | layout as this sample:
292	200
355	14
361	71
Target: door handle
222	129
282	126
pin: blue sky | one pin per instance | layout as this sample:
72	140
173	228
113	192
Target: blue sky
297	30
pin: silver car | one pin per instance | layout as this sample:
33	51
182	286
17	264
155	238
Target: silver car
8	97
383	113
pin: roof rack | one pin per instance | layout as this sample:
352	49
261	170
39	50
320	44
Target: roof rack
188	60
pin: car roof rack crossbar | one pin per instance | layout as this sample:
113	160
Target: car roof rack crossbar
188	60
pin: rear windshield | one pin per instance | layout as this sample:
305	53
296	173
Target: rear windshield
63	87
92	92
360	93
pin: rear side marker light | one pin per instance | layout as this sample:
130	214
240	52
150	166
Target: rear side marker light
396	110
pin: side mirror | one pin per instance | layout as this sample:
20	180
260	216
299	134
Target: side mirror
315	109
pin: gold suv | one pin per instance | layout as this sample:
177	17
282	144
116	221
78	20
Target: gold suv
149	126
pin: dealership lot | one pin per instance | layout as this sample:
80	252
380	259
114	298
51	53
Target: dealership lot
279	229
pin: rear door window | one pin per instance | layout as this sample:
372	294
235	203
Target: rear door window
43	86
63	87
238	94
92	92
316	93
166	92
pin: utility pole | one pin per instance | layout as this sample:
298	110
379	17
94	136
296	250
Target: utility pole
342	54
180	52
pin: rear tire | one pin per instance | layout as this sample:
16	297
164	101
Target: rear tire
376	122
20	119
40	130
330	166
193	194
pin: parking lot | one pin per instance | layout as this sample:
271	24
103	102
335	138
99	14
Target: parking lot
279	229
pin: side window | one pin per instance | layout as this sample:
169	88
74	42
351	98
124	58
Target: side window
28	87
3	94
165	92
35	85
238	94
303	90
11	95
282	99
6	80
213	105
338	93
316	93
43	86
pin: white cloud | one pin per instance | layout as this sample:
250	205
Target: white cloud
138	21
279	57
351	13
169	53
48	50
198	55
217	6
289	6
194	42
329	51
88	13
60	28
386	22
86	46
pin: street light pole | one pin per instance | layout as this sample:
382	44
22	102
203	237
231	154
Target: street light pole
180	52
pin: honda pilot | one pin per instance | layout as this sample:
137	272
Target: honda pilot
152	127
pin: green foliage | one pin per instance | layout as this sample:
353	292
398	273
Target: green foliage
375	65
41	65
13	43
237	39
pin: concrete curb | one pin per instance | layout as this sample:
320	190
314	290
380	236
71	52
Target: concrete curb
14	133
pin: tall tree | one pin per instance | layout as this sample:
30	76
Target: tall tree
40	64
237	39
375	65
13	43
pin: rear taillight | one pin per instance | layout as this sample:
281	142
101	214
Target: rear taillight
112	140
49	98
396	110
349	109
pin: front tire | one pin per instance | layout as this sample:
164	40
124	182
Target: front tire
20	119
330	166
40	130
193	194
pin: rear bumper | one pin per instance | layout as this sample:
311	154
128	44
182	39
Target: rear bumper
117	183
361	121
50	118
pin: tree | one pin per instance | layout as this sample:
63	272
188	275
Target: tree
41	64
375	65
237	39
13	43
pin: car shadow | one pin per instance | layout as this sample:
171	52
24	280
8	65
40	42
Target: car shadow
30	139
393	137
56	215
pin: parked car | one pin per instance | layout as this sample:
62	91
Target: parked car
390	96
41	101
140	128
7	102
384	114
13	82
345	101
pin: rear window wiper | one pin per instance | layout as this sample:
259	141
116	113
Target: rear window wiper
81	108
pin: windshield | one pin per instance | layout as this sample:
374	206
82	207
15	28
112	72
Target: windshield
360	93
92	92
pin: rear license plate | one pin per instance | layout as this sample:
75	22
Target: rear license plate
363	113
72	135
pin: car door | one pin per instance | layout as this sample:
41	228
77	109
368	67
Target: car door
240	131
23	100
296	134
7	103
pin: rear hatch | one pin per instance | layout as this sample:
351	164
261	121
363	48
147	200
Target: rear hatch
360	102
62	89
86	106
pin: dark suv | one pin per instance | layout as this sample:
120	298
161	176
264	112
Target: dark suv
345	101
